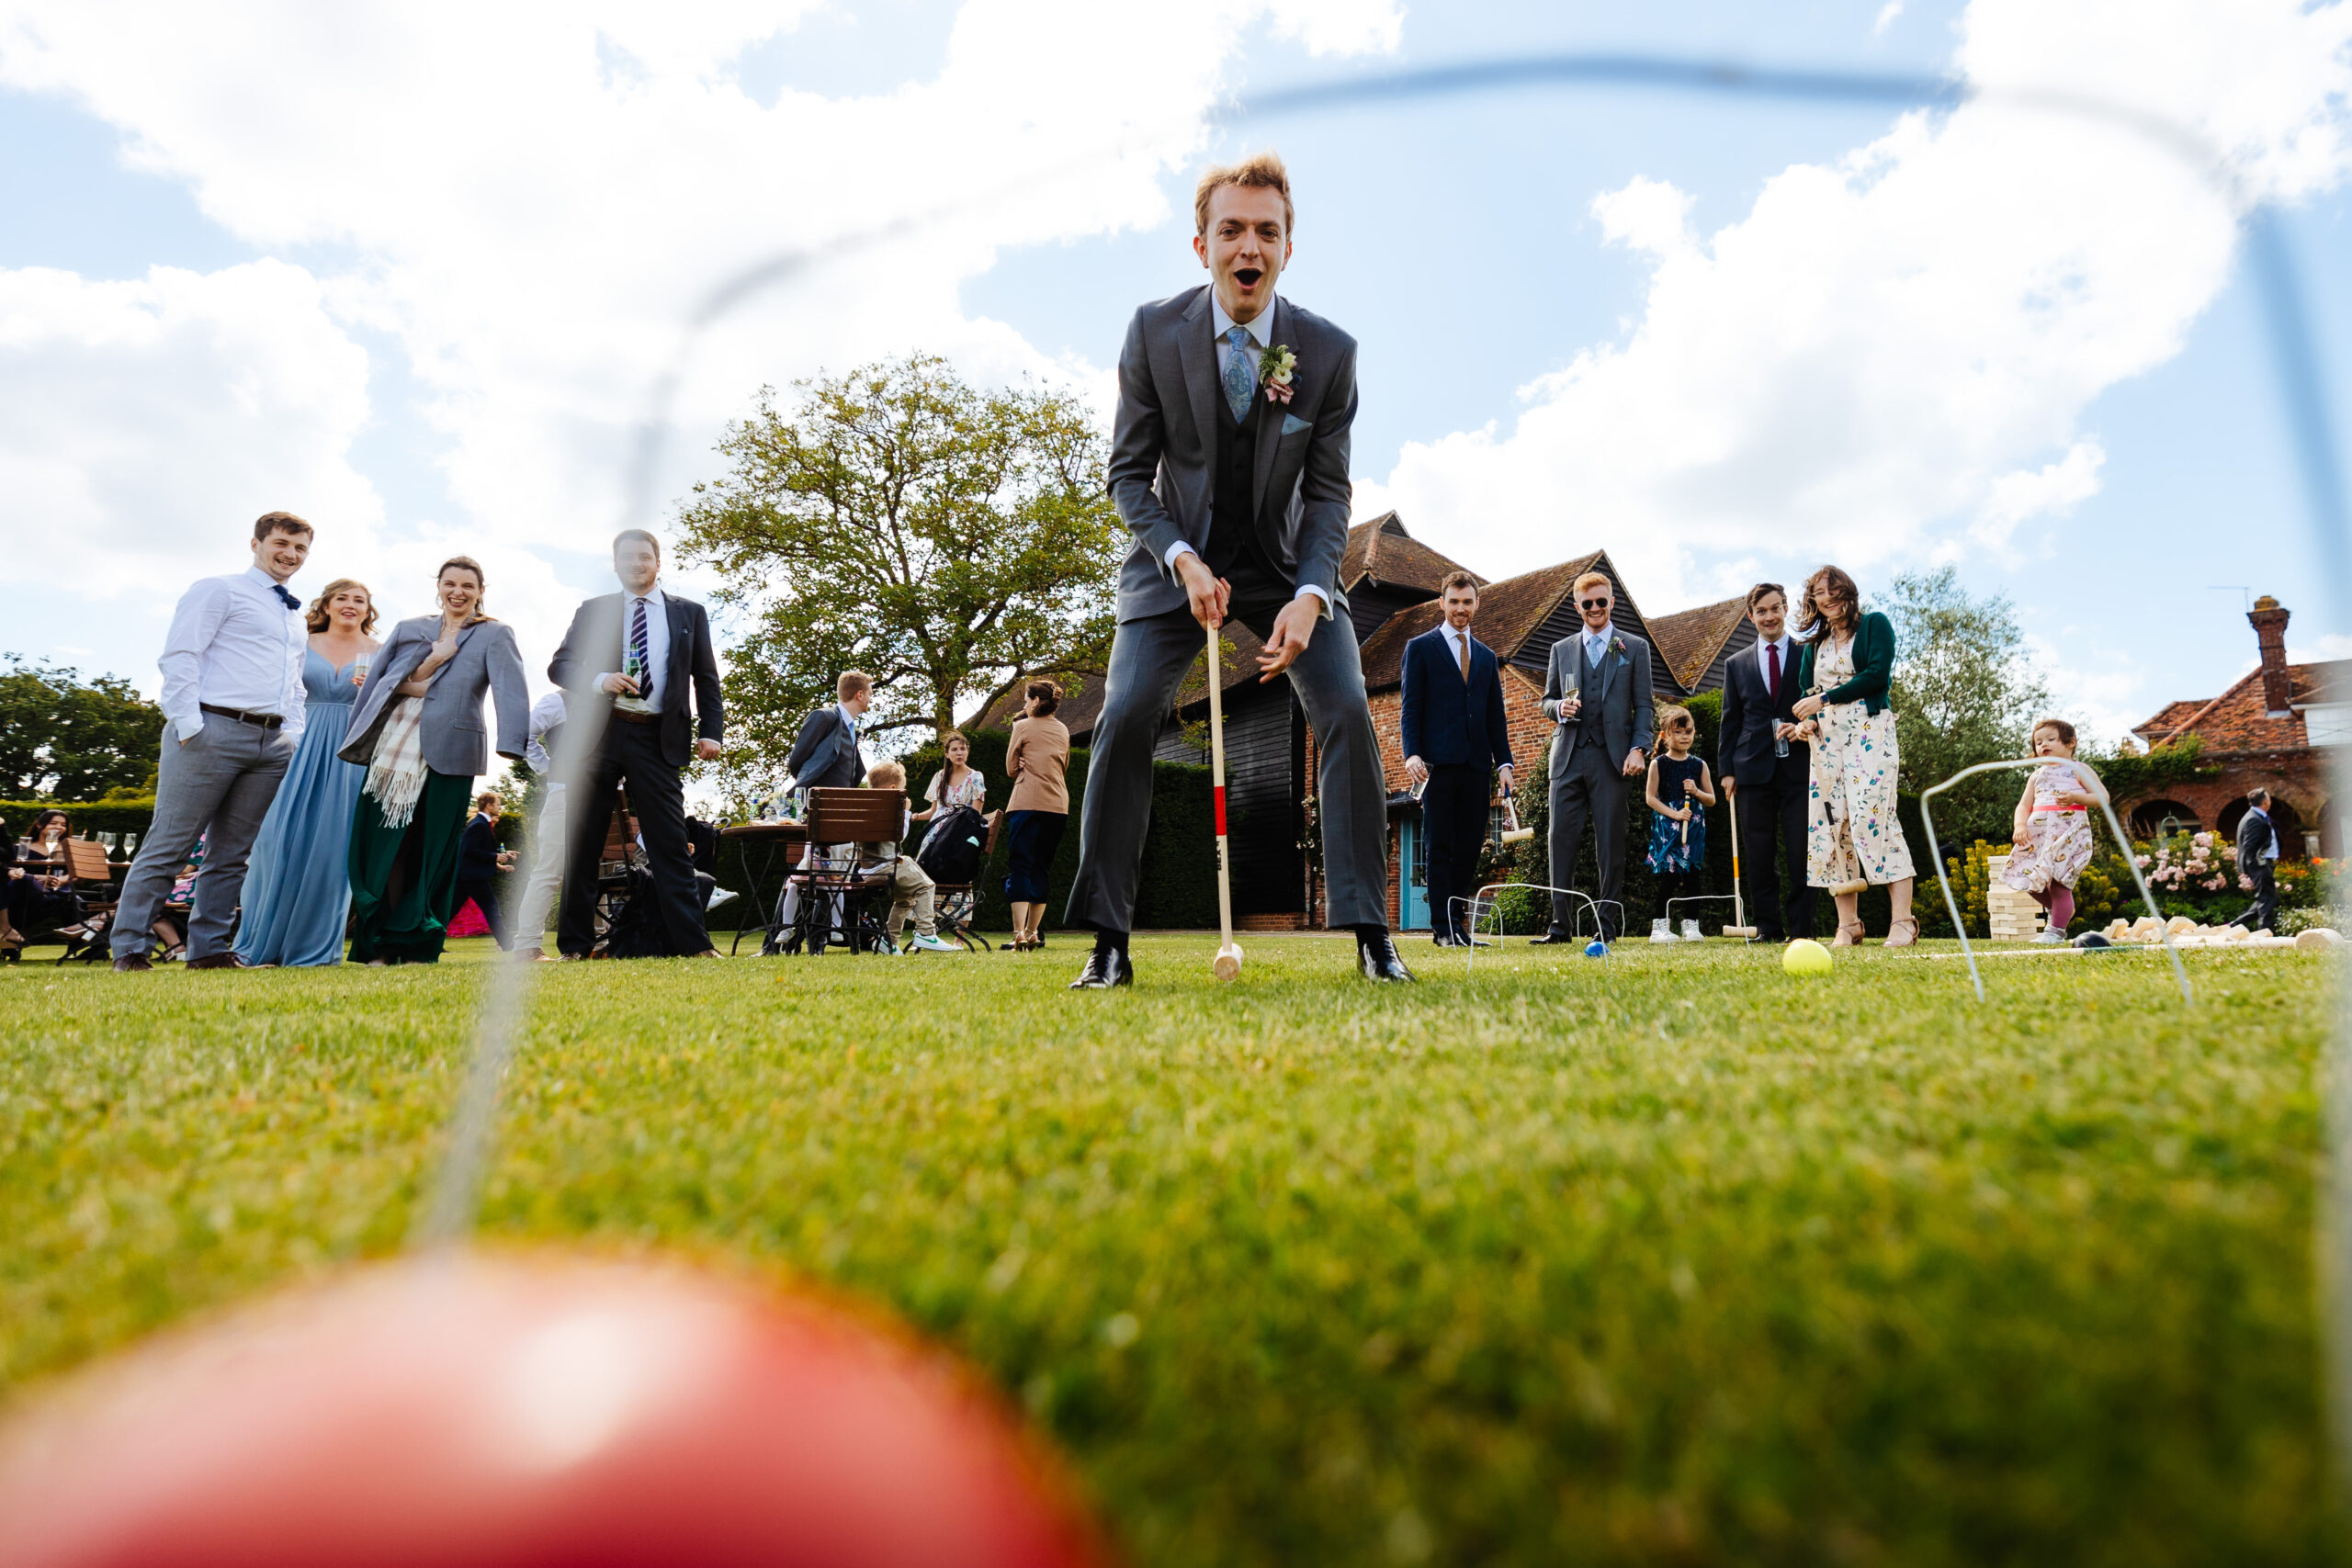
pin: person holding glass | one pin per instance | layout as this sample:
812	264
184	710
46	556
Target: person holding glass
1853	837
298	887
41	882
418	732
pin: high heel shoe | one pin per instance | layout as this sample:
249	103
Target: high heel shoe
1905	934
1847	936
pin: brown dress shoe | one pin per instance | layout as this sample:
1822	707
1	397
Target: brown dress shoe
218	961
134	963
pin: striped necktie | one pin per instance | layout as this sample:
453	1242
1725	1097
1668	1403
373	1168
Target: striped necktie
636	649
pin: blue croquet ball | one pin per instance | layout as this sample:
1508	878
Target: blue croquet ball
1596	948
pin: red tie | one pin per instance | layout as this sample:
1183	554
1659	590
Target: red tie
1772	663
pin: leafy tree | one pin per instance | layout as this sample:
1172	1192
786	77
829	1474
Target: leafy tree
1963	694
62	738
949	540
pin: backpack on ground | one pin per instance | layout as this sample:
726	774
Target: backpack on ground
951	851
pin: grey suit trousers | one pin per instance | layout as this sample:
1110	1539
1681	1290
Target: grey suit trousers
1590	786
1148	662
219	785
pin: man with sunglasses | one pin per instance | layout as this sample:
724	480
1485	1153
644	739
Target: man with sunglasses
1597	694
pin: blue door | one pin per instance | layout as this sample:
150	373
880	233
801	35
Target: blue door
1413	914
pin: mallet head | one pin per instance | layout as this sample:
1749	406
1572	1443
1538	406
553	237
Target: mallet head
1229	961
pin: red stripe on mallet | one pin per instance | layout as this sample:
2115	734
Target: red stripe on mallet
1220	810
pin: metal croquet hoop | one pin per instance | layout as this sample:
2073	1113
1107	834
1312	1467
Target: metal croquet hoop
1927	819
1485	897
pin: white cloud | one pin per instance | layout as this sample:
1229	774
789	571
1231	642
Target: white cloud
529	200
1902	344
147	421
2104	698
1886	15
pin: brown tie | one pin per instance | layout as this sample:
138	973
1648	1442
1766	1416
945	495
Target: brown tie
1465	659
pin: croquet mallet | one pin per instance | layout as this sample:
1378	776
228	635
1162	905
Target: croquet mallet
1228	952
1743	931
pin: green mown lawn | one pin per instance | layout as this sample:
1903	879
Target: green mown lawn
1662	1259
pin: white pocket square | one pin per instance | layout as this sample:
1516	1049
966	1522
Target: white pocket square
1291	425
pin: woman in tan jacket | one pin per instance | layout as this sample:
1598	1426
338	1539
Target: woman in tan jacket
1038	757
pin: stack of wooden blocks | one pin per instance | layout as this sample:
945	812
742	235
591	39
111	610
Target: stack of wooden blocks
2013	916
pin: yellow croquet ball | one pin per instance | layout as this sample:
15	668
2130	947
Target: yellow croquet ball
1801	957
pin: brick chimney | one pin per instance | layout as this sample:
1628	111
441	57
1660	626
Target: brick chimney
2270	619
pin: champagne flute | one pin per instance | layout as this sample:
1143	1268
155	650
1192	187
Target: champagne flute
359	671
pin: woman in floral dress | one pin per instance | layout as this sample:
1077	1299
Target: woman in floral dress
1853	838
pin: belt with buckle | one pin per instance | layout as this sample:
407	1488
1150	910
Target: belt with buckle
258	720
625	716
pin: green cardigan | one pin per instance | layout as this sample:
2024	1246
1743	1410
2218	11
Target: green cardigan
1874	666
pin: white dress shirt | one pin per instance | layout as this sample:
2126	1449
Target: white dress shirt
1257	328
1596	643
547	714
234	644
1457	643
657	641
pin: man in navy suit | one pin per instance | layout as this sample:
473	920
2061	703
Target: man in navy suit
1455	741
1761	765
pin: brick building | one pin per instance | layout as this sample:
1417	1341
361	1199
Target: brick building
1391	579
2274	727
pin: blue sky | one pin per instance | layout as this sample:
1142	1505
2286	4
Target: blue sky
356	329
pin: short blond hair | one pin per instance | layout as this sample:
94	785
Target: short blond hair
1593	580
853	682
886	775
1260	170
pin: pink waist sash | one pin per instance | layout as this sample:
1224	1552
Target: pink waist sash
2078	810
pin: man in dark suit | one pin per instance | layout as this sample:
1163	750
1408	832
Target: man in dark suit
825	753
1597	694
1759	761
2258	862
1230	467
1456	739
638	665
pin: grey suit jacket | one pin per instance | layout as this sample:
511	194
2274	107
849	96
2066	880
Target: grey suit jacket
823	754
1163	449
455	742
1628	718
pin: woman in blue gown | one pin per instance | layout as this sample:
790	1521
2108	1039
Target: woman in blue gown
297	891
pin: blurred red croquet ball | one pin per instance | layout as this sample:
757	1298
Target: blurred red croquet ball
469	1410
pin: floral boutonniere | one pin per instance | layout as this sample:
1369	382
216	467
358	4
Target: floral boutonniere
1276	365
1617	645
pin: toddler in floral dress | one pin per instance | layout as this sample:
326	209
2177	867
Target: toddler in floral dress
2052	827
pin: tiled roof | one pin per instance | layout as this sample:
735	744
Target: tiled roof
2237	719
1381	550
1509	612
1083	704
1691	638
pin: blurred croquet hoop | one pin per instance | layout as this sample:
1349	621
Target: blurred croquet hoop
1935	853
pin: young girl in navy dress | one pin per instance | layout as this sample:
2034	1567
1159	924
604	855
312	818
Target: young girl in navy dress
1679	785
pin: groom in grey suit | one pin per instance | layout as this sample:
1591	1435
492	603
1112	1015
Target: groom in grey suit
1229	465
1598	695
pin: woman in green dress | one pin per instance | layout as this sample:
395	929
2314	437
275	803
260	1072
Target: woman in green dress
418	730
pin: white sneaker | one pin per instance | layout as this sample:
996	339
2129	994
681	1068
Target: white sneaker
931	944
718	895
1690	931
2051	937
1662	930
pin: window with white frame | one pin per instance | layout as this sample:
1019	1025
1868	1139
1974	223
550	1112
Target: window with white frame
2328	724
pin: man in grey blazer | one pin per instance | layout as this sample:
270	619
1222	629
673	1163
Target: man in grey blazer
1229	465
1598	694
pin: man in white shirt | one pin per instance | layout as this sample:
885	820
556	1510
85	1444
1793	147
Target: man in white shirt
548	844
233	702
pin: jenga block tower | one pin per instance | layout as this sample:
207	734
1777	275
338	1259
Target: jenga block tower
2013	916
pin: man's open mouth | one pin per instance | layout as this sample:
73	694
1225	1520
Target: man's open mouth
1247	276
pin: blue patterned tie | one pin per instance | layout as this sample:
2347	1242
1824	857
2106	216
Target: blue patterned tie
637	647
1240	376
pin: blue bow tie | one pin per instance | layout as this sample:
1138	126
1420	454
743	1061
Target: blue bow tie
284	597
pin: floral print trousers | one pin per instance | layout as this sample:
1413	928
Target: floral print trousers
1851	826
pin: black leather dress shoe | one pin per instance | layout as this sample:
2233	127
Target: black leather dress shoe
1551	939
133	964
1105	967
218	961
1378	960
